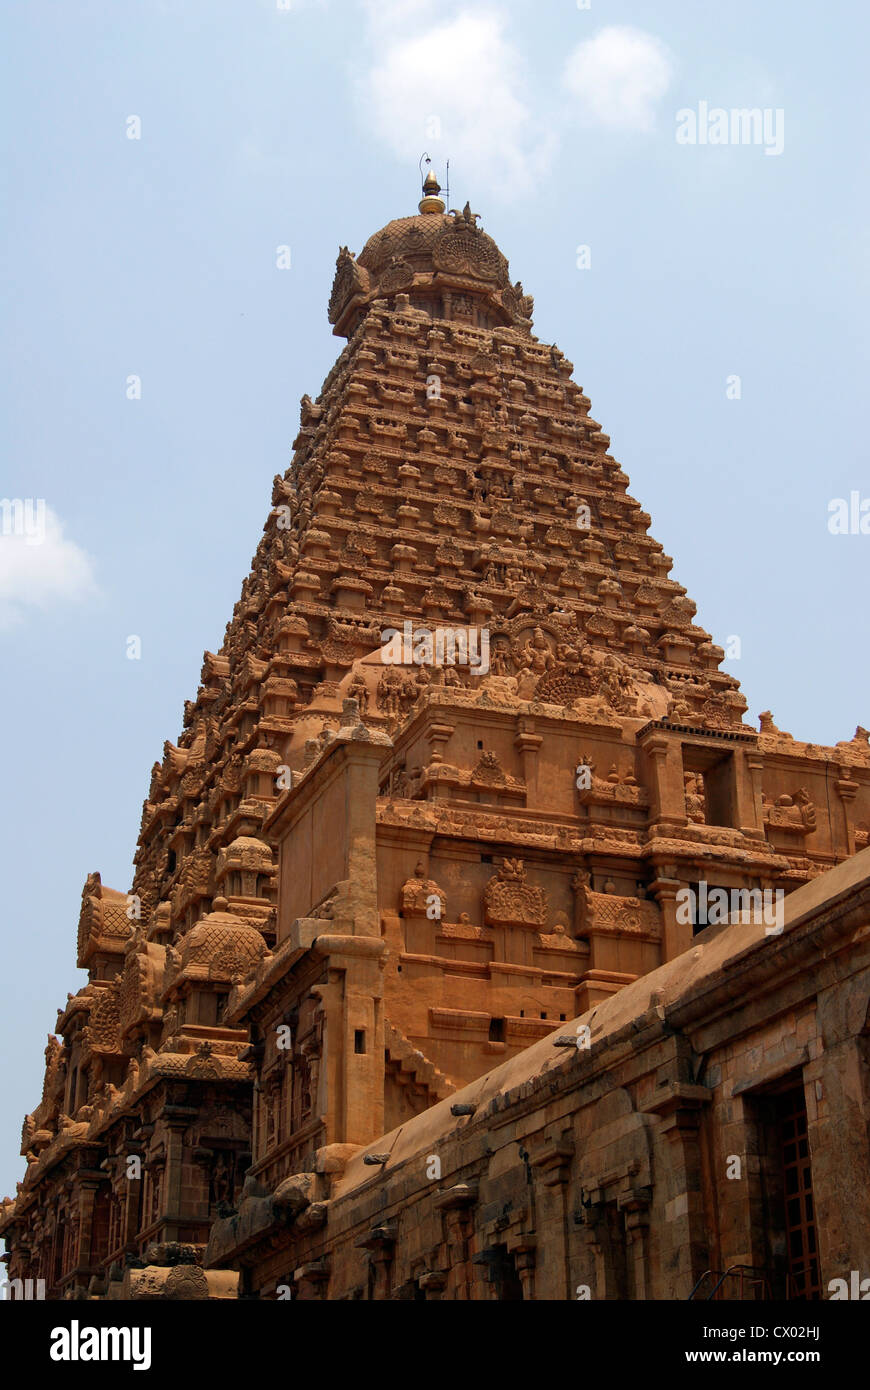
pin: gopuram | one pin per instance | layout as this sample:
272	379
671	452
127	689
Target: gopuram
455	795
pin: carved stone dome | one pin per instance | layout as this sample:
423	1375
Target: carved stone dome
439	240
220	946
442	264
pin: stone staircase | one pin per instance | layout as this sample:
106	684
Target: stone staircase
408	1066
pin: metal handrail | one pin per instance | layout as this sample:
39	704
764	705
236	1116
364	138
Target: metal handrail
732	1272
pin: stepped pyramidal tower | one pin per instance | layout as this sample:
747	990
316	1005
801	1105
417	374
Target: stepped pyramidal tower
437	796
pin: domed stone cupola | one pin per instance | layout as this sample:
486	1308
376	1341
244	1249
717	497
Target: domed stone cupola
441	263
201	969
220	946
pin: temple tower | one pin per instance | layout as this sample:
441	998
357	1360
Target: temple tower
461	756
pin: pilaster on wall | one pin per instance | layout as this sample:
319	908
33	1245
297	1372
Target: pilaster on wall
634	1203
847	791
750	818
837	1090
528	743
551	1164
679	1112
676	935
132	1197
176	1119
456	1206
88	1188
665	762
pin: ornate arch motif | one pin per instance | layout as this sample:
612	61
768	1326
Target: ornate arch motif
397	276
509	901
463	250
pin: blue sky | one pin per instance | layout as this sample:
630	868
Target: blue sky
264	126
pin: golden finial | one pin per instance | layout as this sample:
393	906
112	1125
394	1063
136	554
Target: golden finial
430	201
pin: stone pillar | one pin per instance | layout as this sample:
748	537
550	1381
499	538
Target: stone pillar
455	1205
755	768
552	1164
176	1119
256	1120
381	1245
523	1249
688	1257
635	1203
665	762
599	1268
152	1208
312	1281
847	790
747	793
438	736
527	743
586	1270
133	1191
837	1089
676	936
87	1199
433	1285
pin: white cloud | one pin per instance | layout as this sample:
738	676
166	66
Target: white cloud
38	565
619	76
458	90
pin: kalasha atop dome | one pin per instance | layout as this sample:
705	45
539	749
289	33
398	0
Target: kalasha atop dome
440	262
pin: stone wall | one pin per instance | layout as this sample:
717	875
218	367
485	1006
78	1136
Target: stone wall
631	1168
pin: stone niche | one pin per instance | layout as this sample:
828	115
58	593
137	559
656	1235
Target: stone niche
707	779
